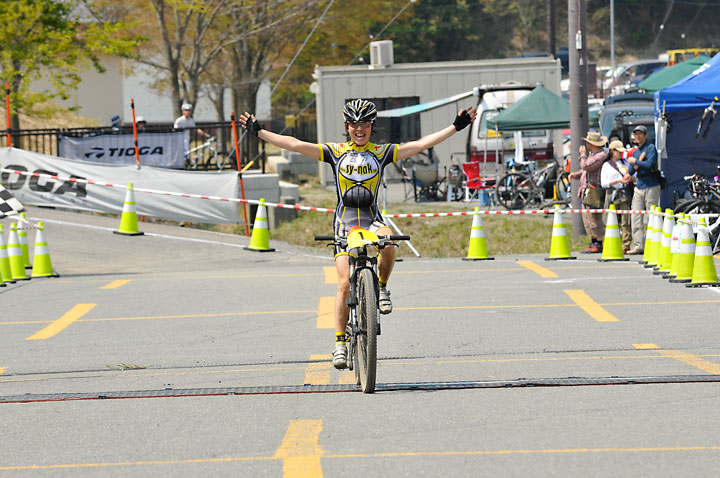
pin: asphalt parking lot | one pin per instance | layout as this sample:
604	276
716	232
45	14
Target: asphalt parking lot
180	353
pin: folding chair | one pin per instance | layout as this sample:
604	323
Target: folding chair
475	183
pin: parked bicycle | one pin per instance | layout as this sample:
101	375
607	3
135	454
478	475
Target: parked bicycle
524	187
202	156
363	324
704	199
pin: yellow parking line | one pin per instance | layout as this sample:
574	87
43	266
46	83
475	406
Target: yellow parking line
593	309
543	272
115	284
318	373
693	360
330	275
63	322
326	313
684	357
300	450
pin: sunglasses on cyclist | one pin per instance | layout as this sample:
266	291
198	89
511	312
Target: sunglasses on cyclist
359	124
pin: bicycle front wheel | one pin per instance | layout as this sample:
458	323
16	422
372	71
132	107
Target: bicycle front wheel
562	188
367	335
515	191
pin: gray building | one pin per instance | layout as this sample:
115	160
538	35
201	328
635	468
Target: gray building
395	85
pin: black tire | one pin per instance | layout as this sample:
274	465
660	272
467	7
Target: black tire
698	206
562	188
367	335
685	205
515	191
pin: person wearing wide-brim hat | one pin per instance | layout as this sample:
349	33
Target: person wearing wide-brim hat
591	161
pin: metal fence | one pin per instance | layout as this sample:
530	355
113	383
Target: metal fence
212	145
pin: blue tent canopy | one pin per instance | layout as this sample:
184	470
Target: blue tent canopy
694	92
687	152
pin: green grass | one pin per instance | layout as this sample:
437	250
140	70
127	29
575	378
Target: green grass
434	237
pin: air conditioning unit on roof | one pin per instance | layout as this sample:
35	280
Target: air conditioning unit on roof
381	54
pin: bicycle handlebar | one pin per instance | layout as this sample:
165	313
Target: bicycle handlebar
388	238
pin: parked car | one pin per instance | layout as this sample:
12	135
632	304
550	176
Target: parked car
623	112
483	143
629	74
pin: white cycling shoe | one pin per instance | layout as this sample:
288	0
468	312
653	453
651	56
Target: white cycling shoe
340	356
384	301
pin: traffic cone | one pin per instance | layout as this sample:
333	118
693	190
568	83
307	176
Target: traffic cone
17	265
612	243
260	238
655	240
675	246
704	273
128	220
477	251
22	236
5	260
686	254
42	267
559	245
664	255
648	235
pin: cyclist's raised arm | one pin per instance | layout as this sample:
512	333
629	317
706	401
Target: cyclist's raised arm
290	143
463	119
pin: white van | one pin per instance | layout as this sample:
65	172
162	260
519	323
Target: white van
483	144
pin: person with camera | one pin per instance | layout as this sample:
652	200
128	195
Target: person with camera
591	191
618	187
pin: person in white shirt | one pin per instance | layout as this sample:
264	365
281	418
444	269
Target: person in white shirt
187	123
614	178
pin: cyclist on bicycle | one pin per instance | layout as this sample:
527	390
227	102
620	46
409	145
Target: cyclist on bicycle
357	166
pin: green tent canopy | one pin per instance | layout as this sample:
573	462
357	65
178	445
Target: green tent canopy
541	109
669	76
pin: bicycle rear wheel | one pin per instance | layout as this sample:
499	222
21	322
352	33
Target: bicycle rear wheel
366	350
515	191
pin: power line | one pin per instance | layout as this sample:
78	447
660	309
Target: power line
392	20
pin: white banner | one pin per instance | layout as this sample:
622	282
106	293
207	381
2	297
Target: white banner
41	191
162	150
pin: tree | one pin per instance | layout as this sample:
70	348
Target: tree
49	38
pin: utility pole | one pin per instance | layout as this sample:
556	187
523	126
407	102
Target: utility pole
577	58
550	19
612	35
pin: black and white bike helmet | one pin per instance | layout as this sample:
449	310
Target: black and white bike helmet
359	110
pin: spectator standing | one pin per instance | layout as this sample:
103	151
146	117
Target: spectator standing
141	123
618	185
590	191
643	164
186	122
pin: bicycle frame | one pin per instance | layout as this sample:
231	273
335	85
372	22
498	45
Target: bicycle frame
363	324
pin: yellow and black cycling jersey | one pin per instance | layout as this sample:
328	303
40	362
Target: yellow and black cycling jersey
357	171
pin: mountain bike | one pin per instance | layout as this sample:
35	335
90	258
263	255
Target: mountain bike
524	187
705	200
200	156
363	325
